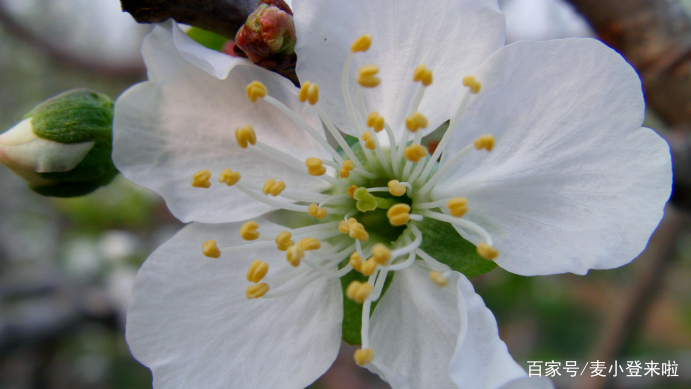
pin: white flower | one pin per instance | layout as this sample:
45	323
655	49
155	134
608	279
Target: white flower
545	167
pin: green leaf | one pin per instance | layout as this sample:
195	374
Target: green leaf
445	244
352	311
207	38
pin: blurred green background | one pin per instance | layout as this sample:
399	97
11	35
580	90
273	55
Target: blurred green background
66	266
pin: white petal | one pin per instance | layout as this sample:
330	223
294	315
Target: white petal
190	323
481	359
20	147
452	37
529	383
183	121
414	330
213	62
573	183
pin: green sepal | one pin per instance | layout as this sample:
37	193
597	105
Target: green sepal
352	311
75	116
207	39
94	171
446	245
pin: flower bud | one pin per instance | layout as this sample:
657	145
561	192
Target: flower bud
268	38
62	147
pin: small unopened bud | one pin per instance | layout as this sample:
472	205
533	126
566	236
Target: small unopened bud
268	37
62	147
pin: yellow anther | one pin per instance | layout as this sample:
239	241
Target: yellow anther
309	92
457	206
352	220
316	211
423	74
414	153
283	241
484	142
229	177
486	251
317	172
276	188
396	188
363	356
370	144
368	70
313	163
367	76
398	214
346	167
256	291
303	92
472	83
357	231
256	90
351	190
358	291
210	249
416	121
248	231
267	186
257	271
361	44
315	166
273	188
244	135
438	278
368	268
200	179
356	261
375	121
381	254
309	244
294	254
343	227
321	213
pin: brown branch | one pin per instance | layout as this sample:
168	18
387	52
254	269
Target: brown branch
223	17
63	56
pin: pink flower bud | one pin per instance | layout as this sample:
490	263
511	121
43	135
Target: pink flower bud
268	38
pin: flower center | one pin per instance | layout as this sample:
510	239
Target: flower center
370	221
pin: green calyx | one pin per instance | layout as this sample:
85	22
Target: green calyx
440	240
73	117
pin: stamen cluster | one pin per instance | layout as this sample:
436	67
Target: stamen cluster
339	241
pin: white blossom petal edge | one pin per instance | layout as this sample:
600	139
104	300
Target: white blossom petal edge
190	322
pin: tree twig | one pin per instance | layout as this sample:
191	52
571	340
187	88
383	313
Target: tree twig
63	56
224	17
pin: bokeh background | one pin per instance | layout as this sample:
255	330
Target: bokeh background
67	265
